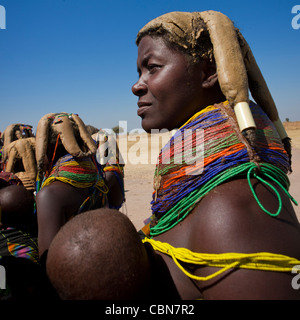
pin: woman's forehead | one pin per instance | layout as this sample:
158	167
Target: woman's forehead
154	46
149	44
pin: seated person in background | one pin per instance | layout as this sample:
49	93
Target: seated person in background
69	179
17	209
91	129
109	157
13	132
21	161
25	279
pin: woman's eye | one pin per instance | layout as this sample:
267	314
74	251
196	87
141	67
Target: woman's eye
152	67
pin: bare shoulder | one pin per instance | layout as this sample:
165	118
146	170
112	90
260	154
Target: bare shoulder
60	195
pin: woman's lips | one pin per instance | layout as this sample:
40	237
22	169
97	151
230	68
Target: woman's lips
142	109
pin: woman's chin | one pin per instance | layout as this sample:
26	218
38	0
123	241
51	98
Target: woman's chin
146	125
153	127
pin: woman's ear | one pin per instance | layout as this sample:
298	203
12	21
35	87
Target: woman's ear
210	74
210	81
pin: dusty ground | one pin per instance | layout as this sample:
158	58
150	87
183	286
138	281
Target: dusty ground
139	179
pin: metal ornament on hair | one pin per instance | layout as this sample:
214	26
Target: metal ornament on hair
237	71
232	74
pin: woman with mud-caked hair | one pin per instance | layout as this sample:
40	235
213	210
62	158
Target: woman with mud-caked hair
69	179
224	224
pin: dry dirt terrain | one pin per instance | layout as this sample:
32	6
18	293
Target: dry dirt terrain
139	176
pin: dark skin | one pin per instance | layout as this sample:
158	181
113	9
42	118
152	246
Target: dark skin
228	218
160	86
224	223
17	214
58	202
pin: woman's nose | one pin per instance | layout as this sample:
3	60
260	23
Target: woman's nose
139	88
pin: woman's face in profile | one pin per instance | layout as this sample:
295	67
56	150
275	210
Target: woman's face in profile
169	88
